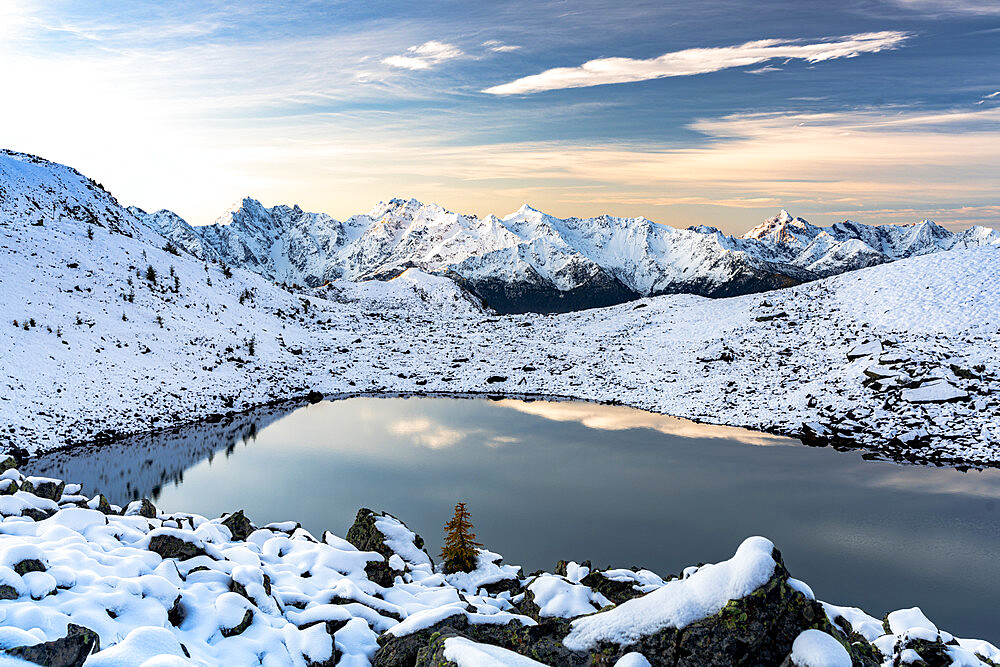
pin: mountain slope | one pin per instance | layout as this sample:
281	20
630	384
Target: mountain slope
38	192
899	359
530	261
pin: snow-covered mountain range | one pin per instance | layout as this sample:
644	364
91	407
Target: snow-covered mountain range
531	261
526	261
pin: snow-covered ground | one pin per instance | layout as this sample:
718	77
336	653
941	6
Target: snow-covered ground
100	347
140	587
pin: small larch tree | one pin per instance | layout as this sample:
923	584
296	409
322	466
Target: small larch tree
460	550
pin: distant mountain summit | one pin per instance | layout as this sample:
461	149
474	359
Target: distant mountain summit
531	261
525	261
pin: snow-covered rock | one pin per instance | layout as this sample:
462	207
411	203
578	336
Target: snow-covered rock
814	648
680	602
938	391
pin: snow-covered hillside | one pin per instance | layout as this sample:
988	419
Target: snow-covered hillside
530	261
108	332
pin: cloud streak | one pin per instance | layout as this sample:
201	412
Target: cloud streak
942	7
496	46
689	62
424	56
991	96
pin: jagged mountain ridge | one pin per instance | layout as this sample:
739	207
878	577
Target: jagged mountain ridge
529	260
526	261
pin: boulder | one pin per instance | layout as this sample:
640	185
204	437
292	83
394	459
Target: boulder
177	612
101	504
433	655
27	565
69	651
938	391
869	349
366	536
143	508
240	627
511	585
331	629
542	642
616	591
7	462
43	487
932	652
170	546
36	514
239	526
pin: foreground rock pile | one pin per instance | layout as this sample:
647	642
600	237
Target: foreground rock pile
85	582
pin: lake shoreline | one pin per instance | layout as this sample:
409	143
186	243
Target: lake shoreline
884	452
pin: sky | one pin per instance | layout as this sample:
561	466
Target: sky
714	112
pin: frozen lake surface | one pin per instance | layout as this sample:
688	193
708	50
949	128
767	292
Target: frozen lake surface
567	480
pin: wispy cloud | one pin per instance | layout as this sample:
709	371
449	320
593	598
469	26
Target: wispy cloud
991	96
764	70
496	46
940	7
689	62
424	56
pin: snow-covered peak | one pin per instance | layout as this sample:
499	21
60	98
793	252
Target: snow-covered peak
525	210
245	210
404	209
976	236
782	228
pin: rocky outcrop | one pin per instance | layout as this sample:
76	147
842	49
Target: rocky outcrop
758	629
239	526
613	589
69	651
542	642
365	535
171	546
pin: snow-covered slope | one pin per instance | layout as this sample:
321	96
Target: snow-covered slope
530	261
38	192
899	358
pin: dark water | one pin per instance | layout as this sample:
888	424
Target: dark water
551	480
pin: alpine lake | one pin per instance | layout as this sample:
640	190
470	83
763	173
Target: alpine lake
548	480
